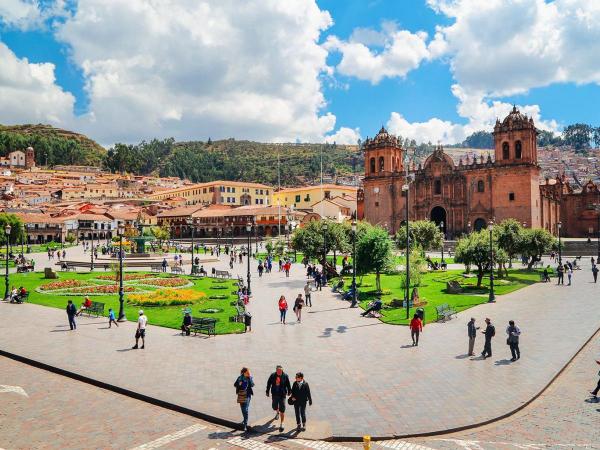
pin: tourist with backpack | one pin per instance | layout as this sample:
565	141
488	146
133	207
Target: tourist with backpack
489	332
243	390
300	396
512	340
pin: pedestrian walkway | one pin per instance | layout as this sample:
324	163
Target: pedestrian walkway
365	376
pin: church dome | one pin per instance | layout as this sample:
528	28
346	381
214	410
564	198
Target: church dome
382	139
514	121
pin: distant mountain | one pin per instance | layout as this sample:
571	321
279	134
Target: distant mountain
52	145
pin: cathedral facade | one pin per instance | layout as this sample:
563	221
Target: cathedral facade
465	196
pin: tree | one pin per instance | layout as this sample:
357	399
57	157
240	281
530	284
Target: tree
16	228
70	238
479	139
161	234
374	253
508	234
534	243
578	136
311	241
546	138
474	250
423	233
269	247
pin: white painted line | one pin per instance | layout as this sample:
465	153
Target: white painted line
401	445
474	445
319	445
250	444
16	389
157	443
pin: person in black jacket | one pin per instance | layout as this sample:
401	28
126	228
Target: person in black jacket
186	326
489	332
243	389
300	395
71	313
279	387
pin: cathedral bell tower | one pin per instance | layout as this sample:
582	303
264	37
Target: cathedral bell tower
383	155
515	139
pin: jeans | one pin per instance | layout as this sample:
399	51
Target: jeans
414	334
308	300
245	407
300	410
282	315
72	323
487	348
514	350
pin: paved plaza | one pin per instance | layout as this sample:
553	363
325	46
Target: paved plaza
365	377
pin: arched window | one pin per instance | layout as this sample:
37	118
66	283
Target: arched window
518	150
480	186
381	163
505	151
372	165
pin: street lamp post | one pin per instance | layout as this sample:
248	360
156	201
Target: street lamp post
249	231
325	228
6	289
559	226
92	255
354	293
443	238
22	235
121	232
293	226
190	222
492	297
405	188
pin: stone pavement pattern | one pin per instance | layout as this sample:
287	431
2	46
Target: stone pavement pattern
364	375
59	413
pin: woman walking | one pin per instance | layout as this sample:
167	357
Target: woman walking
416	326
298	304
243	389
513	332
283	307
300	396
594	392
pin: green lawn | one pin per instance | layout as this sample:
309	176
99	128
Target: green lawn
401	259
300	256
166	316
35	248
433	291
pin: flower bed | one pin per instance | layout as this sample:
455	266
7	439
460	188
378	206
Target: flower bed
127	276
167	297
166	282
98	289
56	285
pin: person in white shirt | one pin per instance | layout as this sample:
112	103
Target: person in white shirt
140	332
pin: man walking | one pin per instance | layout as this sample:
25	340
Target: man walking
140	332
560	273
594	271
472	332
489	332
307	296
71	313
278	385
513	333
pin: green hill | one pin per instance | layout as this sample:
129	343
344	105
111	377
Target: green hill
52	145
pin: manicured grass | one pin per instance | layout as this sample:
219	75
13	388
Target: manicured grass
300	256
35	248
433	291
401	259
166	316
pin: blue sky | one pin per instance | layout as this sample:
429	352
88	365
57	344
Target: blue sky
371	64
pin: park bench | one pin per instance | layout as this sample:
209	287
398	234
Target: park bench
156	267
22	298
240	311
177	269
96	309
222	274
72	265
203	325
444	312
24	268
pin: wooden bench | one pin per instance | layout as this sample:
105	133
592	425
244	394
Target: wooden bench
444	312
72	265
156	267
222	274
240	312
97	309
203	325
177	269
22	298
24	268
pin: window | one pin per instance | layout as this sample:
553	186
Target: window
437	187
511	196
381	163
233	190
307	198
327	194
297	199
228	189
505	151
480	186
518	150
372	165
222	188
376	204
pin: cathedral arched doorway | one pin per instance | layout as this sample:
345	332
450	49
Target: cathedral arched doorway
479	224
438	215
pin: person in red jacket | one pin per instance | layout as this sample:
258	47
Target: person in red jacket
416	326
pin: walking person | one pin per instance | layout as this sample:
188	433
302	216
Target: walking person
512	340
416	327
111	318
261	269
298	304
489	332
300	396
595	391
243	389
560	273
472	333
307	295
140	332
569	274
71	313
283	307
278	386
595	272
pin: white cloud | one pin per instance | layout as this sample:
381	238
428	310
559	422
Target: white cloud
504	47
27	14
344	135
401	51
193	69
29	93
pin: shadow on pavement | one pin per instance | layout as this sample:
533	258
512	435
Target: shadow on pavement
503	362
461	357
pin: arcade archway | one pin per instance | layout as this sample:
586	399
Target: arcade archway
438	215
479	224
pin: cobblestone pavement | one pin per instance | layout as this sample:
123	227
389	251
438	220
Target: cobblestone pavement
53	411
364	375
